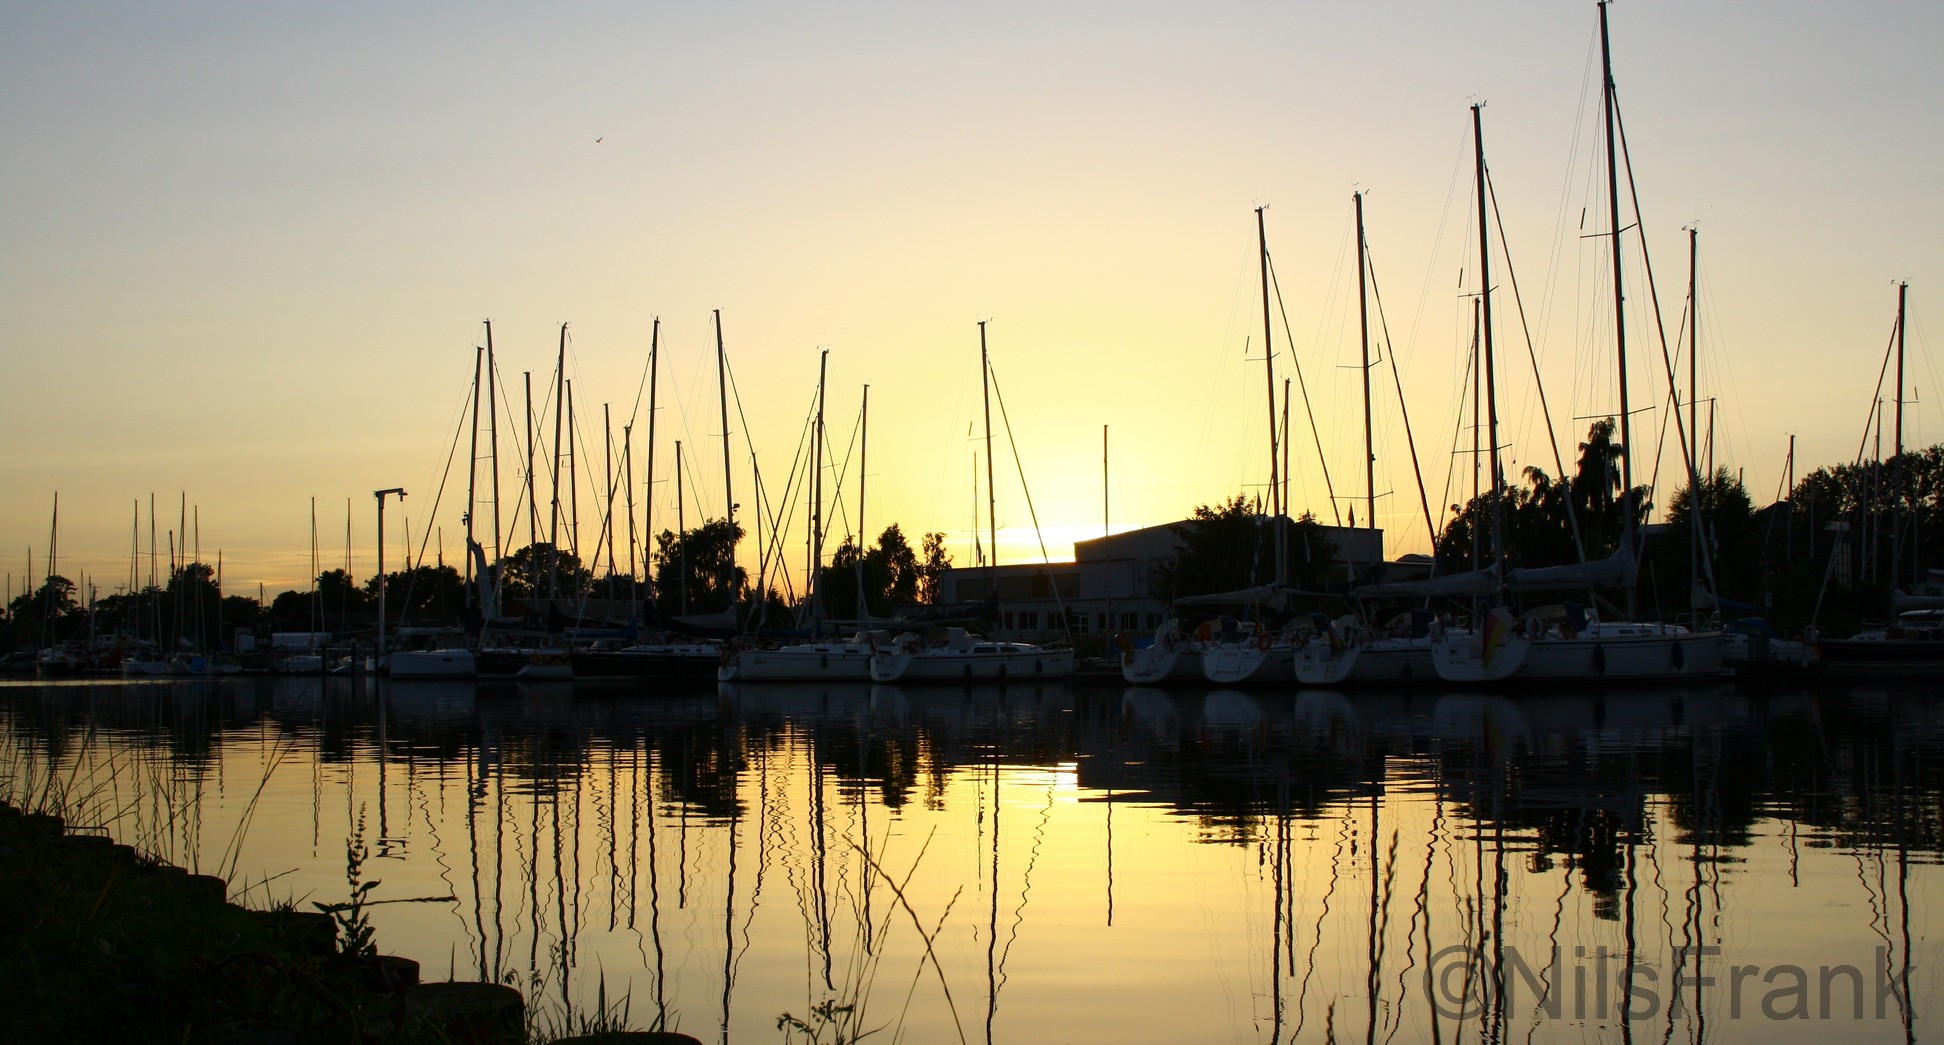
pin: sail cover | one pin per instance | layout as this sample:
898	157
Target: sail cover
1615	571
1450	585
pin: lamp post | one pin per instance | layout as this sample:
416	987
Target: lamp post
380	494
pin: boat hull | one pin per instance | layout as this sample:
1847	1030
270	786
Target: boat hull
1153	667
432	664
1249	665
1654	653
1320	663
945	665
672	663
1393	662
1461	656
820	662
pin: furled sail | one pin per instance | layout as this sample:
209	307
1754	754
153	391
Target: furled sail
1615	571
1450	585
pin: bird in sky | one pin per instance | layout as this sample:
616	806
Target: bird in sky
598	141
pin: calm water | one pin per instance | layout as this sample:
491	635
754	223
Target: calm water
1071	863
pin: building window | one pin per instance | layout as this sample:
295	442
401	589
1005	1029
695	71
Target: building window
1029	620
1130	621
1154	621
1079	624
1007	619
1101	621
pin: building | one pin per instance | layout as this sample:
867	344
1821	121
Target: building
1109	585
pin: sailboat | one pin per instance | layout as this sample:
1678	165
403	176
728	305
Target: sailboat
1488	651
1914	640
1353	651
1592	649
685	651
1249	652
450	661
953	654
825	659
1168	656
1576	646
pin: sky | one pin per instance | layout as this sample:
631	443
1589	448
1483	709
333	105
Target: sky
247	252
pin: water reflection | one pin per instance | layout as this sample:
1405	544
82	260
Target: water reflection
1066	863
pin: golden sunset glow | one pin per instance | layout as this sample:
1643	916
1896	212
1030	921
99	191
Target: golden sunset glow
246	254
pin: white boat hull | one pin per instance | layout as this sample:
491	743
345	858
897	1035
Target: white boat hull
1153	666
1393	661
815	662
946	665
1249	664
432	664
1461	656
1651	652
1319	663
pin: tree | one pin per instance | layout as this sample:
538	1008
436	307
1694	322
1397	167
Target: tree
699	564
191	605
1230	546
889	575
422	592
295	611
539	570
1541	516
1727	529
49	608
340	593
933	562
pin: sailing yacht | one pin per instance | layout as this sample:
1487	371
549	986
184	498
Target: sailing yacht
1488	651
1166	657
831	660
1248	653
957	656
1589	649
1573	646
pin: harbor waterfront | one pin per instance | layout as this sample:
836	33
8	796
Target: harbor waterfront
1065	861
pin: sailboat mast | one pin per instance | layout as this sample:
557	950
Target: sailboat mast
1694	354
492	438
628	507
553	523
1694	404
681	531
135	550
992	502
728	491
722	392
1619	296
573	478
863	449
1283	492
762	547
533	509
648	480
1896	466
1903	292
1478	392
816	488
607	474
978	549
1363	334
1269	366
1485	337
472	469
